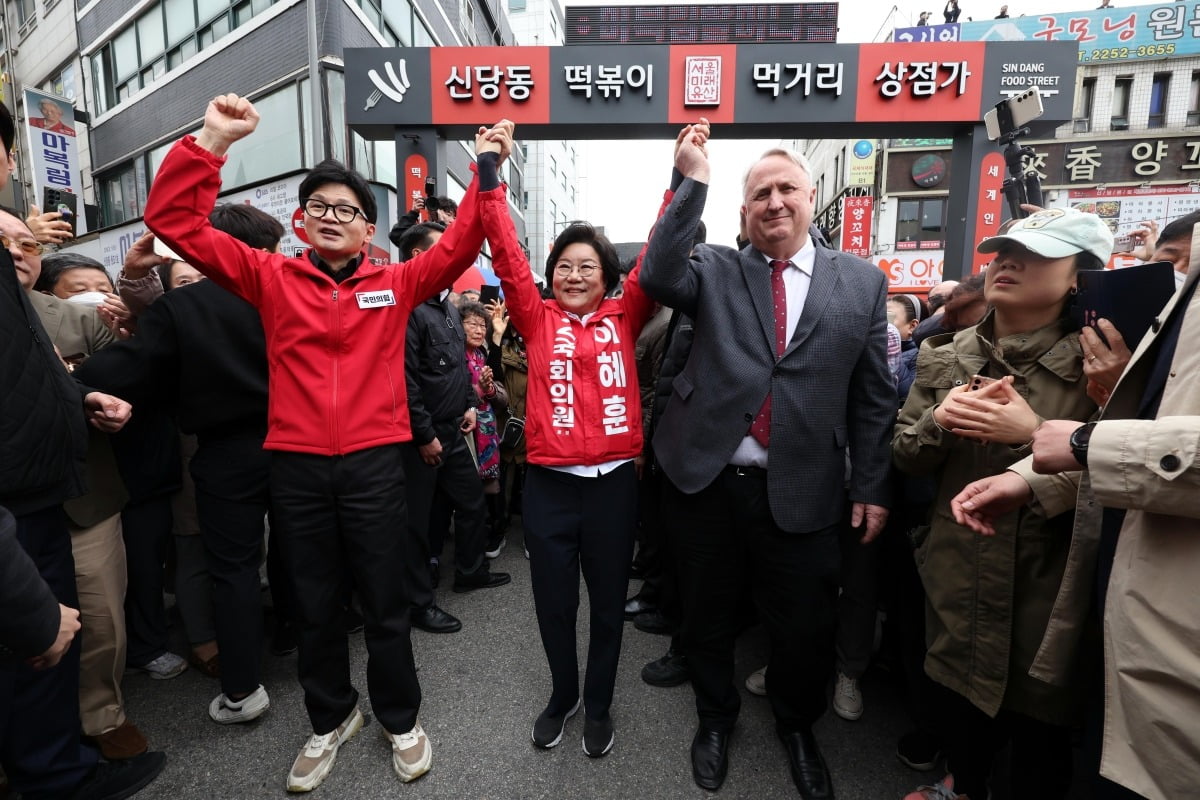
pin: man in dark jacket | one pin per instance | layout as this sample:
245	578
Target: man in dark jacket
200	351
43	443
441	407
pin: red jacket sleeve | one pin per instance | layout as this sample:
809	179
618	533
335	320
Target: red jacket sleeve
521	295
435	269
182	196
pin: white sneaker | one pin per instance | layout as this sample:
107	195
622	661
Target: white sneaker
756	683
165	667
412	754
847	700
228	712
319	753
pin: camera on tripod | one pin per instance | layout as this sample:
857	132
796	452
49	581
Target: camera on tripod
1005	123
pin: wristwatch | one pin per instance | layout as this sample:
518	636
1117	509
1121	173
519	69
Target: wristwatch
1079	442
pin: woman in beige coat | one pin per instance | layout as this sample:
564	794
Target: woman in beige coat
989	600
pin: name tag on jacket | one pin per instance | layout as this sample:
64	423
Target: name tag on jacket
375	299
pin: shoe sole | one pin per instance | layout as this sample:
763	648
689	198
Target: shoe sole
849	716
666	684
559	738
607	748
496	552
920	766
317	778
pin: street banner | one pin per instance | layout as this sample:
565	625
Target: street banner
54	155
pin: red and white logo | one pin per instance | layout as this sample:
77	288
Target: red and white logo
702	75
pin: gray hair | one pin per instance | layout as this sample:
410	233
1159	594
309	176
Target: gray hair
794	156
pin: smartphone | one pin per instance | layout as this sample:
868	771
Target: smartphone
161	249
1009	116
1124	243
64	203
980	381
489	294
430	186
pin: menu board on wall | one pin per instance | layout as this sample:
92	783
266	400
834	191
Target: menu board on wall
1126	208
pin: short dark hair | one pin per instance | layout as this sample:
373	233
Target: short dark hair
1179	229
446	204
248	224
164	273
584	233
55	264
8	129
473	308
1086	259
419	235
333	171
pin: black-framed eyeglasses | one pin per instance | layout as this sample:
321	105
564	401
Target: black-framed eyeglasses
585	270
28	246
342	212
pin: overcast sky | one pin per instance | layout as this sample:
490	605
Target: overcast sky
622	181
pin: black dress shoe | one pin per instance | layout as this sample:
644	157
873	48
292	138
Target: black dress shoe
435	620
482	578
636	605
653	622
809	772
710	758
670	670
116	780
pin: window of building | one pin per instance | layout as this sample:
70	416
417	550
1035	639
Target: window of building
1122	88
26	13
921	220
516	5
1159	90
162	38
62	84
275	148
1084	102
1193	115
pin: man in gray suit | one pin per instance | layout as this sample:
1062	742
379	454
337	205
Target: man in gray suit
788	369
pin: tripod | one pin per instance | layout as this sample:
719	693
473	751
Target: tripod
1022	186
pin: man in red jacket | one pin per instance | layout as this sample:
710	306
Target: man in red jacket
337	412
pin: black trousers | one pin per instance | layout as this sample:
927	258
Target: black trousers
232	497
457	479
40	746
573	523
337	514
146	528
726	531
1041	752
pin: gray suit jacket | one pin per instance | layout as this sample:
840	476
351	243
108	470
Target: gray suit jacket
830	390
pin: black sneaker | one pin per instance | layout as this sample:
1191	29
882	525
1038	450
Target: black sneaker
116	780
548	729
598	736
918	750
670	670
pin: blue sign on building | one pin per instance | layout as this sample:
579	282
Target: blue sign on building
1117	34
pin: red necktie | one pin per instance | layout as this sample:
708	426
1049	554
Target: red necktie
761	428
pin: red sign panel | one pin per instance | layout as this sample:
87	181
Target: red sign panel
857	213
702	83
939	82
416	170
991	203
490	83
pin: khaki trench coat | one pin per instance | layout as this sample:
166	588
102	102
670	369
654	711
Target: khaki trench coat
1152	608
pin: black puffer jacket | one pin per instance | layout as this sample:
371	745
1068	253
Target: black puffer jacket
43	434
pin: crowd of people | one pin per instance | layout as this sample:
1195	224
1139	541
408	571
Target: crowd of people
764	425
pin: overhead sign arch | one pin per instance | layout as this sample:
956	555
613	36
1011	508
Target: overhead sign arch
418	97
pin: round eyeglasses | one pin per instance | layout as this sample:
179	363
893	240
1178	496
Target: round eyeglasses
341	211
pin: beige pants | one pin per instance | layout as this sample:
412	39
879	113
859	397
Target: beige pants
101	578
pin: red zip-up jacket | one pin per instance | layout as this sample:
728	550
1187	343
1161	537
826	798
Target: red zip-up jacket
335	351
582	406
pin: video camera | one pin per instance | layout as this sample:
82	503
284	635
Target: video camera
431	201
1005	123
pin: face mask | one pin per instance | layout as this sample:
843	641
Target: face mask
88	298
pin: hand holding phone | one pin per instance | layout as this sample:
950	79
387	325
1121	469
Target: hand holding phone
979	381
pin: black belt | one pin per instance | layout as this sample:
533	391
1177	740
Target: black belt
746	472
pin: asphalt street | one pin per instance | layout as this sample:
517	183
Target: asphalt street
483	687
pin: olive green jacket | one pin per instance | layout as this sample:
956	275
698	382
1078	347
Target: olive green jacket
990	598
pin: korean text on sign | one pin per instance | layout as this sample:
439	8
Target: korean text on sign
923	77
608	81
487	80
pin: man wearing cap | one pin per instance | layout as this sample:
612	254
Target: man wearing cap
978	397
1136	501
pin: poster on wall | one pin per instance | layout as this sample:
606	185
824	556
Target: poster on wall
911	272
1128	207
54	155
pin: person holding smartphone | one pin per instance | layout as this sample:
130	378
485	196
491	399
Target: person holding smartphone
978	397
